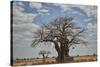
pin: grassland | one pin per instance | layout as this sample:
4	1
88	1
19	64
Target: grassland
38	61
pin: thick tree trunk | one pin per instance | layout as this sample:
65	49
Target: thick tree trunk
62	53
67	53
58	51
59	57
67	57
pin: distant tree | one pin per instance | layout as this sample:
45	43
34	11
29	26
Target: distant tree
37	58
53	57
17	59
48	52
44	54
94	54
63	33
78	55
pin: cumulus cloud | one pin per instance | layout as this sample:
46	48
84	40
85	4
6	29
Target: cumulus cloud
64	7
90	10
43	10
39	8
16	8
20	3
88	19
35	5
92	26
92	31
23	26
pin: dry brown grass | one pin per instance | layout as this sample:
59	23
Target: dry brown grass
53	60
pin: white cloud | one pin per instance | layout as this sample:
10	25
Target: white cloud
92	27
39	8
43	10
88	19
89	10
23	26
35	5
20	3
16	8
64	7
91	38
76	13
20	17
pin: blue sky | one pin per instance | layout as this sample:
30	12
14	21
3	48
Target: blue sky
29	16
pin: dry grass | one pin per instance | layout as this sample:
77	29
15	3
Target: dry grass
53	60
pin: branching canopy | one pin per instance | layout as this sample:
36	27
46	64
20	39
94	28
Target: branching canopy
61	30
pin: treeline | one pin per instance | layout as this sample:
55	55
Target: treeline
32	58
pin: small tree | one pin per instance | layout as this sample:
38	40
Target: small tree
44	54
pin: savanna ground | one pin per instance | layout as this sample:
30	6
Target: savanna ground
37	61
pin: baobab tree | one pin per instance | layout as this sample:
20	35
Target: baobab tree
63	33
44	54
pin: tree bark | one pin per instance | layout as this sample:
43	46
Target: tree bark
67	53
58	49
62	53
59	57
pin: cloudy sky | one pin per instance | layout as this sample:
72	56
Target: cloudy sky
29	16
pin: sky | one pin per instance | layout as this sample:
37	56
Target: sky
29	16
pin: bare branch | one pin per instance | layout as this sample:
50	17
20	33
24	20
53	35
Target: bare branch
75	40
